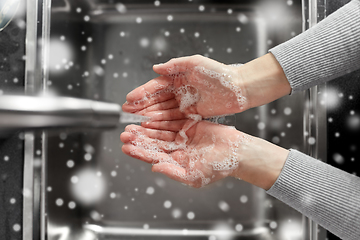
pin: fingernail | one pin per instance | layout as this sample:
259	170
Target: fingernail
129	94
158	64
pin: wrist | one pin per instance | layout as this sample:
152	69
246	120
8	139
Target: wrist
263	80
260	163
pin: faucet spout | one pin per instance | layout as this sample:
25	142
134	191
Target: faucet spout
24	112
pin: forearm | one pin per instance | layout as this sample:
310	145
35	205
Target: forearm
260	162
321	192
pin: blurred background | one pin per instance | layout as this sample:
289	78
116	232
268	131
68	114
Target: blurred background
85	188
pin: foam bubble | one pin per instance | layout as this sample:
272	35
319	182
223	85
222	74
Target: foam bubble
16	227
176	213
244	199
236	64
167	204
230	162
151	146
72	205
199	170
190	215
59	202
150	190
224	79
187	96
121	8
239	227
273	225
224	206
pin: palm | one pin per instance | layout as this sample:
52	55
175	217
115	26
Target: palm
192	85
207	155
212	97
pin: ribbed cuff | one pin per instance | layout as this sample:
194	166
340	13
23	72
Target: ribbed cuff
325	194
324	52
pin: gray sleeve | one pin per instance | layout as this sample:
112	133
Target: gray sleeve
325	194
324	52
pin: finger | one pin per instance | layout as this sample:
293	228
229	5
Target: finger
166	115
172	171
170	104
139	139
151	133
144	154
153	86
139	105
173	126
177	65
127	137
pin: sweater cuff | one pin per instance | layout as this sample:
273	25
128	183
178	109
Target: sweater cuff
321	192
324	52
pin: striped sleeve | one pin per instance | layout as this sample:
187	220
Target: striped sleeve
324	52
325	194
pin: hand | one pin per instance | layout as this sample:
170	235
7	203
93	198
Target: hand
189	85
209	153
199	85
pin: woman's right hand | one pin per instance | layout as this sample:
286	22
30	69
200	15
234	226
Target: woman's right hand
209	153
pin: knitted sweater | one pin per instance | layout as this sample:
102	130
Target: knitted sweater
325	194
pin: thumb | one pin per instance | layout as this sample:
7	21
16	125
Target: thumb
174	66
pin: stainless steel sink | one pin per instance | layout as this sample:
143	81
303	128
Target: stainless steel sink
101	50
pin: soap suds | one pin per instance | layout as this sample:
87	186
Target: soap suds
182	153
209	157
225	80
